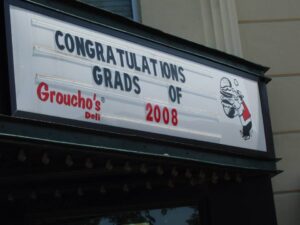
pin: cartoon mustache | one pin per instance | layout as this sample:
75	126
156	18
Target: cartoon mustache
227	102
226	93
230	93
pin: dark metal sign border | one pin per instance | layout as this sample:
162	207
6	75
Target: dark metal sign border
163	139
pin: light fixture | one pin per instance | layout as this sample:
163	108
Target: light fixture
174	172
45	159
108	165
148	185
188	173
33	195
69	161
144	168
80	191
57	194
160	170
10	198
125	188
127	167
238	178
88	163
227	176
103	190
171	184
192	182
214	178
22	156
202	175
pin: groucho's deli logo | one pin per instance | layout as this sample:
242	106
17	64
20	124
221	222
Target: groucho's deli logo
234	105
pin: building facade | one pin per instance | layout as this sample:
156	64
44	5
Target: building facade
265	32
60	171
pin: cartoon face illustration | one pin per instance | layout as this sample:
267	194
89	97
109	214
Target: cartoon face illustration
234	105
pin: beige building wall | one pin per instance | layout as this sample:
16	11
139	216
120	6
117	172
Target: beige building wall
263	31
171	17
270	35
209	22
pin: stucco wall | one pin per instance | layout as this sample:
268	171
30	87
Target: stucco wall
270	34
177	17
269	31
209	22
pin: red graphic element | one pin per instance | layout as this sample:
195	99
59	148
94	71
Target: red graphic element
156	113
246	113
45	94
234	105
92	116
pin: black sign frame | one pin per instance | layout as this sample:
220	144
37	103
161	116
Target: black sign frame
164	139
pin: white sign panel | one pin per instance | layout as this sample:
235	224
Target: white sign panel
72	72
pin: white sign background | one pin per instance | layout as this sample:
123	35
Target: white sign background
36	59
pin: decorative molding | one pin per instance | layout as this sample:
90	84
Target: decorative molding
281	75
287	192
136	10
286	132
220	25
296	19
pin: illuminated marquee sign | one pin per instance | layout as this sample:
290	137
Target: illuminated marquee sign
81	74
